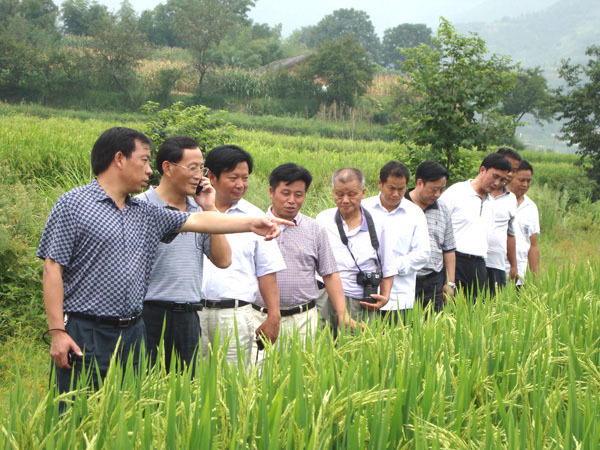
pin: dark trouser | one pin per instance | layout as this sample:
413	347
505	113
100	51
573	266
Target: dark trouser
496	280
471	274
98	342
181	333
393	316
430	288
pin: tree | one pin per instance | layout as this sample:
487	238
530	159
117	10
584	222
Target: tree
403	36
344	68
160	25
456	93
578	107
345	21
530	95
202	24
79	16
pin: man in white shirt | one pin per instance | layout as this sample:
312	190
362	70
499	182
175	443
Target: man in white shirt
501	240
362	267
406	232
472	219
229	293
528	221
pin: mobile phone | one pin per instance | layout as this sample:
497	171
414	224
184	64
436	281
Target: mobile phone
199	188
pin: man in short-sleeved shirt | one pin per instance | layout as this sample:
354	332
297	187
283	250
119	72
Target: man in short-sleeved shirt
98	247
229	293
406	234
528	223
175	284
472	219
358	256
306	251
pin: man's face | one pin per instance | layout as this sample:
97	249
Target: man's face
392	191
347	196
287	199
521	183
492	179
514	164
430	191
136	169
231	186
187	173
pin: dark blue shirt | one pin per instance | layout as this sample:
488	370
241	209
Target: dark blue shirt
107	254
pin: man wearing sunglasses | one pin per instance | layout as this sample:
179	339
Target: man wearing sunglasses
174	289
472	219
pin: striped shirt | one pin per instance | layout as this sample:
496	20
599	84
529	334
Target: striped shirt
441	236
306	252
177	272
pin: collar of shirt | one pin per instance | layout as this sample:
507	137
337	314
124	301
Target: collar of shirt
241	206
296	219
432	206
153	196
100	194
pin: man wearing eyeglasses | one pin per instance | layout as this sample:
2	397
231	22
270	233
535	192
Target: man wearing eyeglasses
174	289
472	219
501	240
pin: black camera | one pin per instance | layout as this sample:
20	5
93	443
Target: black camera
370	282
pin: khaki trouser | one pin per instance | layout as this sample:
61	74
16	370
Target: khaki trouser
328	315
225	322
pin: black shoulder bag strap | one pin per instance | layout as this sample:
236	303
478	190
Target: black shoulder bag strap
372	235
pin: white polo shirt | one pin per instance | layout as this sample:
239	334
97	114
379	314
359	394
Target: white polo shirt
528	224
251	257
407	248
504	207
472	218
359	242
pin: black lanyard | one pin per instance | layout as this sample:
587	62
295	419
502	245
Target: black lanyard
372	235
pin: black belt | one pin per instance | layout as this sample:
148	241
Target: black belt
222	304
429	275
119	322
289	311
467	256
176	306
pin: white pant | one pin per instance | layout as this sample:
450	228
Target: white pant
305	322
225	322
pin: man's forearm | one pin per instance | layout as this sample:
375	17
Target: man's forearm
450	266
533	257
511	250
335	292
267	284
52	284
385	288
220	251
217	223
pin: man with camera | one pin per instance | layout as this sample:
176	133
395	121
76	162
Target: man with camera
405	226
359	247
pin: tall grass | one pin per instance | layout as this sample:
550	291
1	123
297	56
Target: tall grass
517	372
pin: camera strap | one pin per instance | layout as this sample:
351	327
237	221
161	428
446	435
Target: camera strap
372	235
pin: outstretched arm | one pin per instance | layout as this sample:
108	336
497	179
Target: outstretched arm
217	223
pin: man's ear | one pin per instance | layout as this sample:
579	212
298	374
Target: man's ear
166	167
118	159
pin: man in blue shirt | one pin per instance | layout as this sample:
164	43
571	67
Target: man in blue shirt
98	247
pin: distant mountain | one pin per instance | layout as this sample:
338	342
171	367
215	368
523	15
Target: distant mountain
562	30
491	10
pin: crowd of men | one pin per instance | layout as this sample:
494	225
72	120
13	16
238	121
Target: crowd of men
158	269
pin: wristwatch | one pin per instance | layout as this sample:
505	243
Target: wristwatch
451	284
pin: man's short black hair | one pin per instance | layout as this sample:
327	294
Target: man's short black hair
431	171
289	173
225	158
394	169
510	153
496	161
113	140
172	150
524	165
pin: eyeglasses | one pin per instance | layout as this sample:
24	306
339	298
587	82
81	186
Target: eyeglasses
194	168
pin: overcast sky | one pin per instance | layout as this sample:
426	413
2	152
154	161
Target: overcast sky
293	14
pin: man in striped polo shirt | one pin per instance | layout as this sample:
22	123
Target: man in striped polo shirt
306	252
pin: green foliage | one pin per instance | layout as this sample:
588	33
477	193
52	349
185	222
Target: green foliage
80	16
529	95
577	107
456	90
208	128
406	35
341	22
163	82
343	67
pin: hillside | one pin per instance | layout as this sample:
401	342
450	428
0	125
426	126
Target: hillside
563	30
